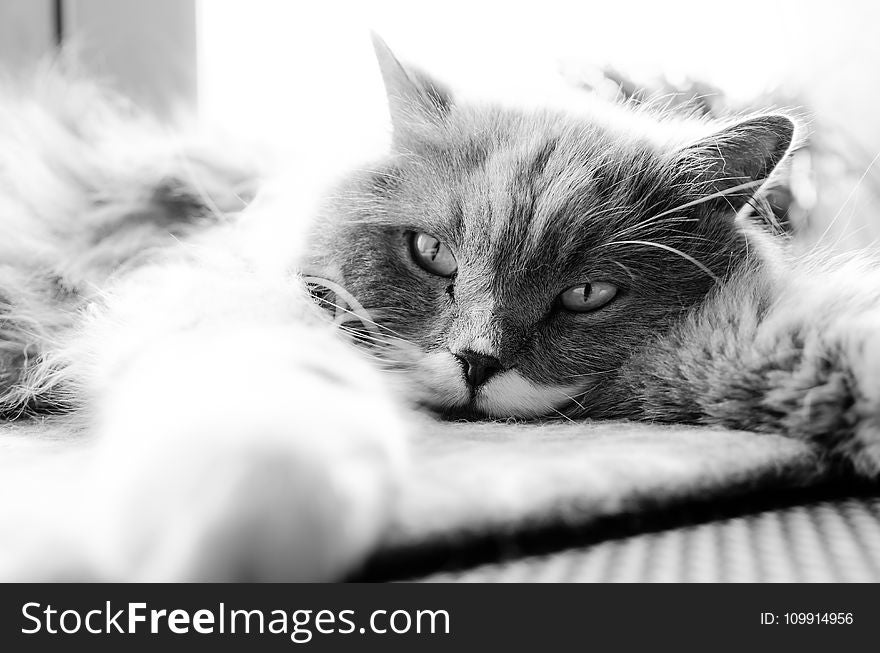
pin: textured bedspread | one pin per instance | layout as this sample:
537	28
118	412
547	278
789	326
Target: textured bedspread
483	492
478	493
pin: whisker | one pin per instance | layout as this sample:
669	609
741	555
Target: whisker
562	415
653	220
360	335
712	196
626	269
581	376
359	311
667	248
568	396
849	197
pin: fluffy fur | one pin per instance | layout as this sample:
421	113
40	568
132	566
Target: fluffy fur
143	313
532	203
231	432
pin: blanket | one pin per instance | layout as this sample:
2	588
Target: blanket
478	492
478	489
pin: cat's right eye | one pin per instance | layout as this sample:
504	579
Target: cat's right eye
432	255
587	297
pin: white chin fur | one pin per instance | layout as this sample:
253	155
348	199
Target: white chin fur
508	394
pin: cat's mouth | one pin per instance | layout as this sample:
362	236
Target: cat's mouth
507	395
480	408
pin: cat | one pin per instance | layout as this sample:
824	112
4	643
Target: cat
240	394
614	267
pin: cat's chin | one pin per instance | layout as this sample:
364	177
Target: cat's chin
509	396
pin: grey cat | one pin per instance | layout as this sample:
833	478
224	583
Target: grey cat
554	265
496	264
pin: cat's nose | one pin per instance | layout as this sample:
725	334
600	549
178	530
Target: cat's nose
477	367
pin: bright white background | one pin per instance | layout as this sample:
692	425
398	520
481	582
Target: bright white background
301	74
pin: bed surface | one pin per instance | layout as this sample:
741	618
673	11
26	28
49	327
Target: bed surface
625	502
831	540
610	501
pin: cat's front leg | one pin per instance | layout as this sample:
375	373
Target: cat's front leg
814	372
237	437
260	454
802	361
853	345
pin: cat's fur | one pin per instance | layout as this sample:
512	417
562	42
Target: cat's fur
218	428
721	323
230	432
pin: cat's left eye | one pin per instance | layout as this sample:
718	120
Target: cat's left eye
432	254
587	296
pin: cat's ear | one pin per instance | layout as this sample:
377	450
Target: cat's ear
414	99
739	159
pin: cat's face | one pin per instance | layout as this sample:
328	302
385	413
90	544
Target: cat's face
512	262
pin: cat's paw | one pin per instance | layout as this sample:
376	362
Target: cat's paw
264	454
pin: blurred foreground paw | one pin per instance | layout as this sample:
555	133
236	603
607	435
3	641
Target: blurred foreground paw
268	454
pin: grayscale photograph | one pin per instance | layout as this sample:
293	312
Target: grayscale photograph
459	292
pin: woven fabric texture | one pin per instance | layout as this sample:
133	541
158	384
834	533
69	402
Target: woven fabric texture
826	541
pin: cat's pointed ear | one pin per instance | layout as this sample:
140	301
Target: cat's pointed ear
414	99
739	159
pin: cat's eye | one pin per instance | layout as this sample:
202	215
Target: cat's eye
587	296
432	254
